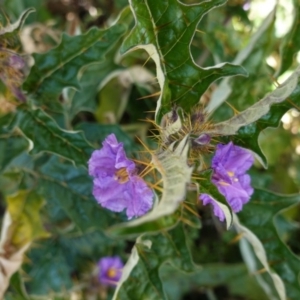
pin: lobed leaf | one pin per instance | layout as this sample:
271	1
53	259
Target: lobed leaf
165	30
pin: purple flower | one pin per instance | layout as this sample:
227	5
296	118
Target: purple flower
110	270
229	165
116	186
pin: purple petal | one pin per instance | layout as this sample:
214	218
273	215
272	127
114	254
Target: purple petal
245	182
18	93
123	162
110	194
109	158
218	212
233	158
101	164
139	198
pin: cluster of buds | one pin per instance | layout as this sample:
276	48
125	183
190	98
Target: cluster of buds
229	164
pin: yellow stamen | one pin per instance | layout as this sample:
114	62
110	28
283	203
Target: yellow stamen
224	183
231	174
111	273
121	175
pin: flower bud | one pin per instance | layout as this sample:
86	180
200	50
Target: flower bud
203	139
16	62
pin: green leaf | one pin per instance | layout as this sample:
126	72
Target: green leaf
17	286
140	277
291	43
49	271
235	277
165	30
58	68
45	135
11	147
92	77
258	217
114	96
84	99
80	248
96	134
70	188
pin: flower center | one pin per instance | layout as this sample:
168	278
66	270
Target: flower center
231	174
121	175
111	273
